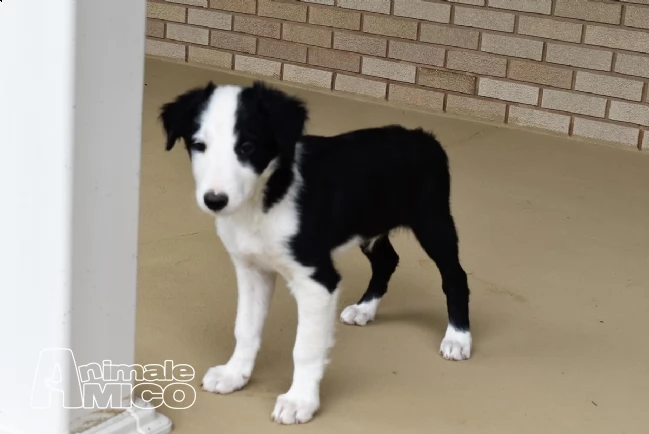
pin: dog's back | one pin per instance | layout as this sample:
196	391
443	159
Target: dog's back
370	181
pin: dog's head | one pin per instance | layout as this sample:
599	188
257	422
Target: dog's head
233	136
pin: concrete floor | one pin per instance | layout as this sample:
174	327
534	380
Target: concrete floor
554	233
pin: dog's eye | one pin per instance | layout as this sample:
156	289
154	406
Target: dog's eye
198	147
246	148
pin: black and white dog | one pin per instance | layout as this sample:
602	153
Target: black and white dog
284	202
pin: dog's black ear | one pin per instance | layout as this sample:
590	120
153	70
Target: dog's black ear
287	117
179	117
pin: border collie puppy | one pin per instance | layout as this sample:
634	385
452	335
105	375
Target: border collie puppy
284	202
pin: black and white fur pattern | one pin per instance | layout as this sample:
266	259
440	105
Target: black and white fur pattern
284	202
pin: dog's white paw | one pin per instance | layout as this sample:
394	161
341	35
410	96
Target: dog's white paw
223	379
360	314
290	410
456	344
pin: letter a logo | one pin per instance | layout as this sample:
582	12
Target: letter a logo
56	380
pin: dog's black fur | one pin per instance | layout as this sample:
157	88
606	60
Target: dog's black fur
367	183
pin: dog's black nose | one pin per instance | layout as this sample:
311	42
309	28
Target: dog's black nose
215	202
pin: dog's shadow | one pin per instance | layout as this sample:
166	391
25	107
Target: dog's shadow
422	320
337	384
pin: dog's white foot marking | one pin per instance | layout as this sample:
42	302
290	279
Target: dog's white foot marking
360	314
456	344
290	410
223	379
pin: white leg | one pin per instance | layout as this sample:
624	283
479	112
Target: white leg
456	344
315	336
360	313
255	292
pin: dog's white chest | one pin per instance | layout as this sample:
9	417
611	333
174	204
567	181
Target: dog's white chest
261	238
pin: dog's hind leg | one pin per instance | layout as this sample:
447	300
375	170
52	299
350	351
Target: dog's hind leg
384	261
437	235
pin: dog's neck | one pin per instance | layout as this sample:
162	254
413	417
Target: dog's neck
277	179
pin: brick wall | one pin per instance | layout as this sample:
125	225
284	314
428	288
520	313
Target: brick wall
578	67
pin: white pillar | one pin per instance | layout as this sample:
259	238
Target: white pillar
71	84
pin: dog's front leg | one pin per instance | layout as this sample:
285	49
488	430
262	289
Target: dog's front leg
256	288
315	335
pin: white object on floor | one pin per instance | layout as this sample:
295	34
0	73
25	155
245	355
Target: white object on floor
140	419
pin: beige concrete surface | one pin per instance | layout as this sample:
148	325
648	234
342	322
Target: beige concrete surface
554	233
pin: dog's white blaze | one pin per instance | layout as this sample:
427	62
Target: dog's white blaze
218	168
456	344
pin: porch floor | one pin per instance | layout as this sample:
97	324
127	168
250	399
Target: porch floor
554	234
